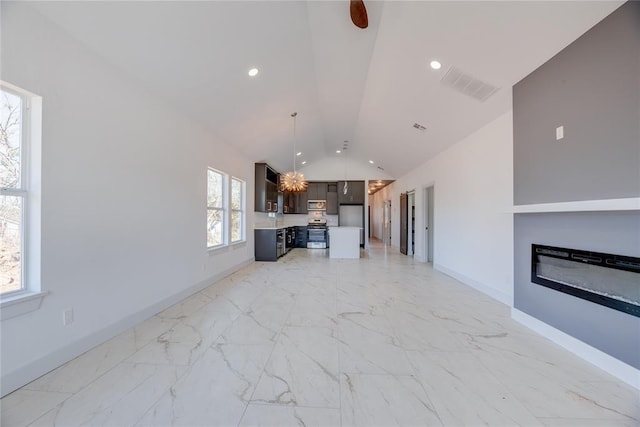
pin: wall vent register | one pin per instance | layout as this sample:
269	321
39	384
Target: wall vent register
606	279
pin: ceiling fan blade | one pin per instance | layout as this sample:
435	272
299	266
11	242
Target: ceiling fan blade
359	14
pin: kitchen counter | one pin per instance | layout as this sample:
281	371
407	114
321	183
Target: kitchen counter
345	242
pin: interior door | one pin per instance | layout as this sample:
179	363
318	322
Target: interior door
425	198
403	223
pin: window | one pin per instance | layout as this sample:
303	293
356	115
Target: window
237	210
225	209
216	208
13	196
20	196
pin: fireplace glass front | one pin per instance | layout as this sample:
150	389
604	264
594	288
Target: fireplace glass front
606	279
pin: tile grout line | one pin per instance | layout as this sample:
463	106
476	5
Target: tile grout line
264	367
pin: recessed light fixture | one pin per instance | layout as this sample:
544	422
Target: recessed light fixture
436	65
253	72
304	163
371	161
338	151
299	153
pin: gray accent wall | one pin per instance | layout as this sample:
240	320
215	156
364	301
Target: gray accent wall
592	88
612	331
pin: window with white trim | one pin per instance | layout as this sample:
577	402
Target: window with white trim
20	201
237	210
14	169
216	208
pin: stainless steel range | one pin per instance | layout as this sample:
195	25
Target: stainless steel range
317	233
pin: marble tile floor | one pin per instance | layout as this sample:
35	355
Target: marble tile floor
308	341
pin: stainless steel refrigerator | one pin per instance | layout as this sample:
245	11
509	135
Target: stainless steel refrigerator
352	216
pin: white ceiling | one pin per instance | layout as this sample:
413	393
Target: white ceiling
365	86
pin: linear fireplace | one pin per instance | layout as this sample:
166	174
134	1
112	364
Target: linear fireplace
606	279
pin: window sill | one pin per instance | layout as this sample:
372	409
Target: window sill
212	250
17	305
239	243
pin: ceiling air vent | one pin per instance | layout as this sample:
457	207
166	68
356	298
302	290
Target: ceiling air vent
468	85
419	126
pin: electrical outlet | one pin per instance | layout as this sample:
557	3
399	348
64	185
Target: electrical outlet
67	317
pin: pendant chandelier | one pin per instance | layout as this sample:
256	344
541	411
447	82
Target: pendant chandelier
293	181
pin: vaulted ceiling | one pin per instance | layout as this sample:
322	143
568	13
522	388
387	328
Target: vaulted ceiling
367	86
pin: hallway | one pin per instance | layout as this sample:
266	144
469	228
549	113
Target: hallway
308	340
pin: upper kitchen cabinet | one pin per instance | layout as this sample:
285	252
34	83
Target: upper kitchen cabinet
317	191
289	202
266	188
354	194
294	203
332	198
301	202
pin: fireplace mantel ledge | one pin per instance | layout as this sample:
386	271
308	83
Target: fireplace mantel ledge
629	204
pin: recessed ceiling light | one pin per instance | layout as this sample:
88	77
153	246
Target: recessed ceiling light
253	72
304	163
299	153
436	65
338	151
371	161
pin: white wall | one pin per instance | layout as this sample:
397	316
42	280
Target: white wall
473	194
335	168
123	197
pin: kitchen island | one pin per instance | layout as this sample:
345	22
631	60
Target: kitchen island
345	242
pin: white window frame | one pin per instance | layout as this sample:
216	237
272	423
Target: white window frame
30	297
224	209
242	210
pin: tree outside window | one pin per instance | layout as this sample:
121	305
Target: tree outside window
13	192
237	210
215	208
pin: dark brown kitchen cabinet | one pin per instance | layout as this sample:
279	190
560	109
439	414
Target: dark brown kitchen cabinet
317	191
321	190
312	192
294	203
354	194
266	188
289	202
332	198
301	202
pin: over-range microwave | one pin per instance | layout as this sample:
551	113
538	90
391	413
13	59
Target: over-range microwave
317	205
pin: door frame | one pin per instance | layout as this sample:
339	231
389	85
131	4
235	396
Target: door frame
386	223
411	224
404	223
428	221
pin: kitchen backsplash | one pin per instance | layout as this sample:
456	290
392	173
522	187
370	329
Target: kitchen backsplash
261	219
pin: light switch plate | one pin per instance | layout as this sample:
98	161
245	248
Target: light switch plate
559	133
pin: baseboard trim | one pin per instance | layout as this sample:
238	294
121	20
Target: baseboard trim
602	360
24	375
487	290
